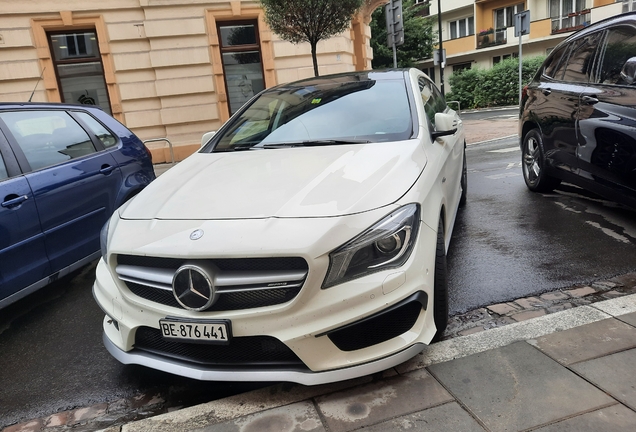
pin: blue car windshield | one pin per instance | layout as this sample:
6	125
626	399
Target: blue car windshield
321	112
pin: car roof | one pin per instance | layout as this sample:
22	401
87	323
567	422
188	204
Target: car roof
378	75
49	105
625	18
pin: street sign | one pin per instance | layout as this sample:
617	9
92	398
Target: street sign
436	59
522	23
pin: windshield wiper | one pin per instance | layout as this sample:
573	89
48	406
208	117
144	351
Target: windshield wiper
238	147
311	143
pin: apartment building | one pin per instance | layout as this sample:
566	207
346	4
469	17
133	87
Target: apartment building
480	33
165	68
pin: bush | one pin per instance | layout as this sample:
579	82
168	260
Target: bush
498	86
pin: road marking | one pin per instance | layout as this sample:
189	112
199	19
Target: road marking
504	175
506	150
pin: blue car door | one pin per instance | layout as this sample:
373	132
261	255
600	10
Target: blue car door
75	184
23	258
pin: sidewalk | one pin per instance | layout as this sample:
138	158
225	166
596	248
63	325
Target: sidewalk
570	370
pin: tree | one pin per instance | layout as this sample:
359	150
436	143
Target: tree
310	21
418	37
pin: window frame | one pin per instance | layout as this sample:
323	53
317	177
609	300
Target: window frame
455	24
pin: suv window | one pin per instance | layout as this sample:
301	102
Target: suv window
619	47
580	64
96	127
48	137
556	64
3	169
433	100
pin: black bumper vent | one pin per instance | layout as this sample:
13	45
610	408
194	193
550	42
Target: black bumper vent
380	327
261	351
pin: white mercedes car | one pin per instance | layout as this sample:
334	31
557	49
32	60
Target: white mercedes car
305	242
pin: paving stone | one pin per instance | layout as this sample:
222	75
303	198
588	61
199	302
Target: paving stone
380	401
30	426
503	308
471	331
298	417
628	318
604	285
444	418
58	419
581	292
614	374
588	341
612	294
88	413
523	316
530	303
616	418
560	307
554	296
517	387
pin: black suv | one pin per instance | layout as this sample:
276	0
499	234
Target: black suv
578	115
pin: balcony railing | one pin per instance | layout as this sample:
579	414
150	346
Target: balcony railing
571	22
491	37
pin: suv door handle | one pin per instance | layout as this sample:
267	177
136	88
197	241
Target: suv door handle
106	169
546	91
14	202
590	100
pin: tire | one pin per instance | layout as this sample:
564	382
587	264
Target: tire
440	290
533	164
464	181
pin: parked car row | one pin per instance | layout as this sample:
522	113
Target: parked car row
64	169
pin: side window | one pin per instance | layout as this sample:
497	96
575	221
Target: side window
580	65
556	65
620	46
48	137
100	131
3	169
433	100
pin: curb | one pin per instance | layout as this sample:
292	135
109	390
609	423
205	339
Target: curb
279	395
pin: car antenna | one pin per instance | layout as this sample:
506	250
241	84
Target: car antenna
36	84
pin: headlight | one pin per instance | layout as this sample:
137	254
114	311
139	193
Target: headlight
387	244
103	240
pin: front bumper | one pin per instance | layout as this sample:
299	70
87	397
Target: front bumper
303	325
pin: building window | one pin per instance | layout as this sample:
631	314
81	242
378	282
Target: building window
628	5
499	59
242	63
430	72
458	68
462	27
78	68
567	15
505	17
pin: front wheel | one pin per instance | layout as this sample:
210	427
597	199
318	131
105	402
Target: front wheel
440	289
533	164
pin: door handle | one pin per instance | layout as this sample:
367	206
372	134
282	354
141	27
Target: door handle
106	169
14	202
590	100
546	91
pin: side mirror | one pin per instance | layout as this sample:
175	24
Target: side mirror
207	137
445	124
628	73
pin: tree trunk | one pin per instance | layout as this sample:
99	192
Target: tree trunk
314	58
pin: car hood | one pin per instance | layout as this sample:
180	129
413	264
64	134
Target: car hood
289	182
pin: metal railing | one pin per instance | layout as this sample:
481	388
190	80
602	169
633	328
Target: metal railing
166	140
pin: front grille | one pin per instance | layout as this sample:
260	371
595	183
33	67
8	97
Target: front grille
241	283
250	351
377	329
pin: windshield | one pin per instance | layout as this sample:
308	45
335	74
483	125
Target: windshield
340	110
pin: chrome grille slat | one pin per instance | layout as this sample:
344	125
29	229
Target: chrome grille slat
235	277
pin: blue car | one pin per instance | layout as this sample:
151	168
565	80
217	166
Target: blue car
64	169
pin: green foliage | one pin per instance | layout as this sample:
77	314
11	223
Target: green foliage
499	86
310	21
418	37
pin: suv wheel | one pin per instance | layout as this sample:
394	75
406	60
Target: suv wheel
533	163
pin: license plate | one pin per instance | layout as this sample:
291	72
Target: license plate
213	331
